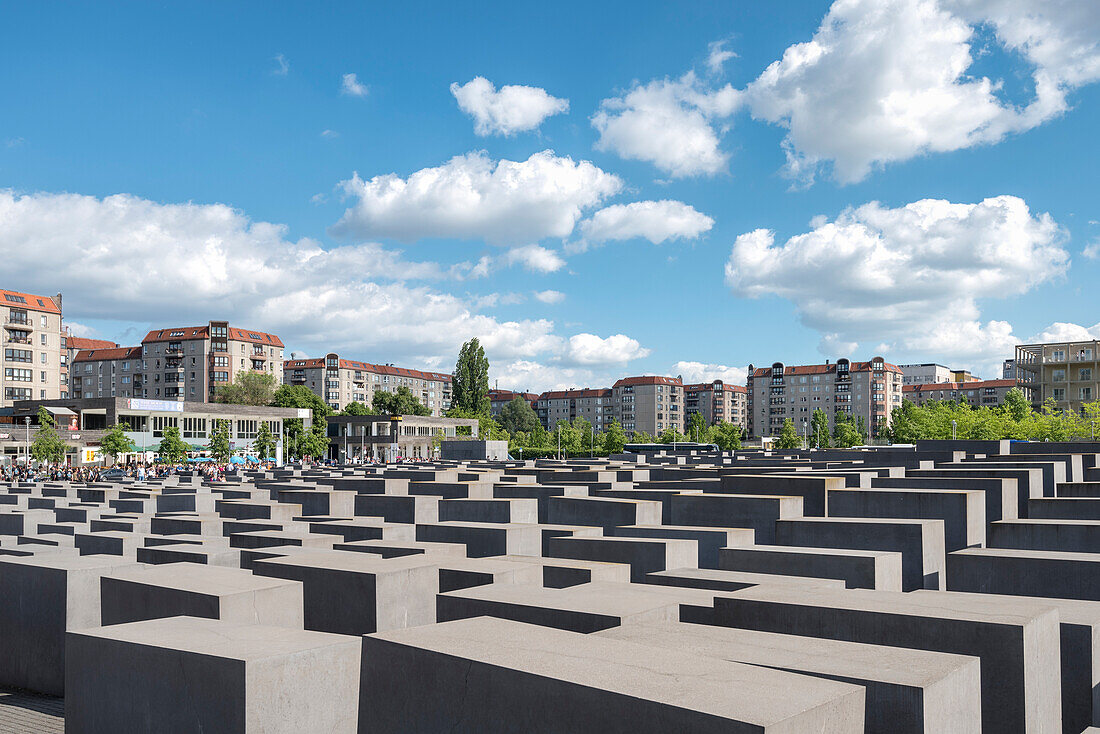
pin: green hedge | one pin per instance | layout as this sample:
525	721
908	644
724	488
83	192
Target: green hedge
552	453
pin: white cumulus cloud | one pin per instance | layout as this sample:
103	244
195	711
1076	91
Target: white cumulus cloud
675	124
474	197
511	109
886	81
656	221
908	277
696	372
536	258
549	296
351	86
589	349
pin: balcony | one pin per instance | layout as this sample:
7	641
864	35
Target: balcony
17	340
259	355
298	377
18	321
173	351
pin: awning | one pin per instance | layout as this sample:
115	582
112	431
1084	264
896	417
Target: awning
58	410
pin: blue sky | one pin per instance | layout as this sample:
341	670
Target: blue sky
705	202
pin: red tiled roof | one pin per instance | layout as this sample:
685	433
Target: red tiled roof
710	386
81	343
95	355
508	395
821	369
184	333
33	302
380	369
648	380
928	387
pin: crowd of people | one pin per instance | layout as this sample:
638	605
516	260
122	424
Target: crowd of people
140	471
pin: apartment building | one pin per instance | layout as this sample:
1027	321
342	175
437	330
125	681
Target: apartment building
594	405
184	363
868	390
73	345
981	394
1008	369
649	403
340	381
933	374
32	357
716	402
499	398
1067	372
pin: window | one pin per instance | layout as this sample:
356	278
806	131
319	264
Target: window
1058	355
221	361
1086	393
14	298
45	358
221	376
44	323
1059	394
194	427
18	393
42	338
1085	373
1058	375
43	376
18	375
18	355
160	422
246	429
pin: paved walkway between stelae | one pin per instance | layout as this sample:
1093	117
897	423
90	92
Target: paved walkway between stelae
22	712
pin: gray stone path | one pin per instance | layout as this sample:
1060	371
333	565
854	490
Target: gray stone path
30	713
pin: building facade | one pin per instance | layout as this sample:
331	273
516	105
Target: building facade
340	381
186	363
868	390
716	402
649	404
557	406
70	347
499	398
81	424
1066	372
32	356
361	438
982	394
1008	370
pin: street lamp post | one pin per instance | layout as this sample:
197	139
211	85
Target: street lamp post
953	427
27	459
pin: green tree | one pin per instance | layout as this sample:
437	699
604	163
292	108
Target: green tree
861	429
265	442
219	442
517	415
47	448
355	408
115	442
172	448
1091	422
470	384
248	388
726	435
400	402
641	437
1016	405
301	397
845	433
314	442
696	428
819	429
671	435
613	439
788	438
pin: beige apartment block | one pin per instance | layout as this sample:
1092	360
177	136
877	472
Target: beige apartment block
868	390
649	403
32	356
558	406
716	401
982	394
1066	372
184	363
340	381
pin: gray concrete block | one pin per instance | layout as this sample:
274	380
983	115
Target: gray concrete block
710	540
1017	642
359	593
1071	536
962	511
490	675
483	539
920	543
736	511
185	674
857	569
603	511
41	597
192	590
643	555
907	691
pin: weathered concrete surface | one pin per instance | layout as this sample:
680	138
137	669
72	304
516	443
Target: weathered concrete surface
488	675
185	674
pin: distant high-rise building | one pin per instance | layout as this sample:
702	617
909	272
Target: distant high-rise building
1066	372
